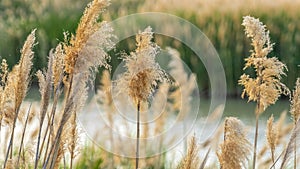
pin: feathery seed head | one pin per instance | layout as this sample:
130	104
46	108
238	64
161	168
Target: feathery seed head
23	68
295	102
191	159
272	134
236	148
184	82
58	65
143	72
4	72
86	49
266	87
256	30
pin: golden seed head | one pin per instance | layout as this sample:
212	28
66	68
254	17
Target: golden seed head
272	133
236	148
295	102
143	72
265	87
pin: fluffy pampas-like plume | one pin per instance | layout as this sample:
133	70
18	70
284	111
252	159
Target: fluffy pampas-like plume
289	152
87	47
265	87
143	72
142	75
84	53
17	84
295	112
235	149
295	102
272	136
191	159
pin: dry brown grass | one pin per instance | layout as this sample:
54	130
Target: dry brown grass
73	63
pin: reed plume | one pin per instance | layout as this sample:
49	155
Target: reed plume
73	140
265	87
45	85
295	112
142	74
185	85
294	139
272	136
57	78
84	53
17	82
82	49
57	66
236	148
295	102
184	82
3	77
191	159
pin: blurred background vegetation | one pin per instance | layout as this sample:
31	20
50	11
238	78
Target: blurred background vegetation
220	21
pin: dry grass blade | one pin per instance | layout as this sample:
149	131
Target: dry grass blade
294	139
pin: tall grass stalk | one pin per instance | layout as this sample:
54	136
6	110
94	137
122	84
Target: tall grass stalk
18	80
142	74
291	145
57	67
45	90
265	87
295	112
80	62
